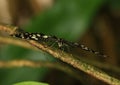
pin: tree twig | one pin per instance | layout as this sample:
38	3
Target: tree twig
25	44
39	64
76	63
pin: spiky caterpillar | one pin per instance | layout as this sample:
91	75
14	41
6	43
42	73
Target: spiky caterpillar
40	37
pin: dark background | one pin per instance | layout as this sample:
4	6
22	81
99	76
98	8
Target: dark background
95	23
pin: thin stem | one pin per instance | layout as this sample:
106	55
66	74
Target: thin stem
39	64
79	64
73	61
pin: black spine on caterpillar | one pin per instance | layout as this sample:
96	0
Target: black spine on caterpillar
83	47
60	42
33	36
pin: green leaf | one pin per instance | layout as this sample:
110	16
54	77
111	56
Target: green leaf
30	83
67	17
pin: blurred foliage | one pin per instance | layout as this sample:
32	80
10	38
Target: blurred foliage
30	83
68	19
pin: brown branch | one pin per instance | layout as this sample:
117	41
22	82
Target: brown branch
39	64
17	42
8	28
23	63
68	58
73	61
25	44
